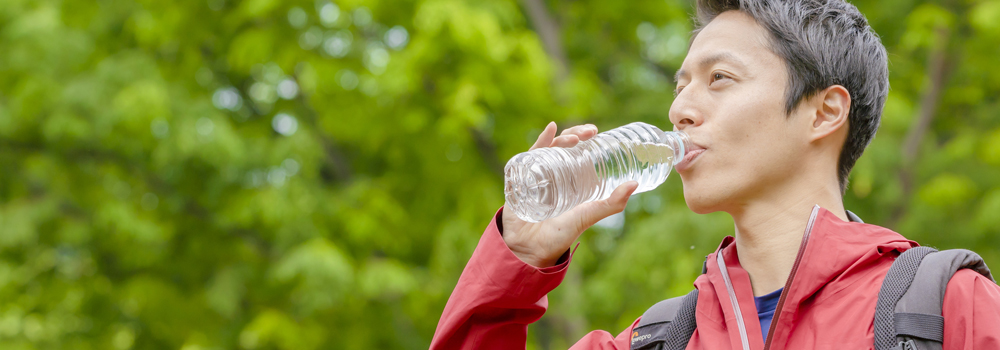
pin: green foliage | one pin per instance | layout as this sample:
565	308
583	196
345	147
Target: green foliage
267	174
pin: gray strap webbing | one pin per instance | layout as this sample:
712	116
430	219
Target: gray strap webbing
920	325
909	309
668	325
896	282
684	323
664	311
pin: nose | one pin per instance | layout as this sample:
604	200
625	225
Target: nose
684	111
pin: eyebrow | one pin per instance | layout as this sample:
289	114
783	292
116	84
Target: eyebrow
710	60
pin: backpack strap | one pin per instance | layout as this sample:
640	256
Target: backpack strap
908	314
853	217
668	325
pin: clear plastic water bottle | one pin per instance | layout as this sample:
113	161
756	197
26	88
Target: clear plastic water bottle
546	182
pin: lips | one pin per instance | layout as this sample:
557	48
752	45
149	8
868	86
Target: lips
690	157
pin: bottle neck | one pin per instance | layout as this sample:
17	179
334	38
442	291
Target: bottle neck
679	142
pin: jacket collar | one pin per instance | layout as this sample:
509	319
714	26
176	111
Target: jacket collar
830	248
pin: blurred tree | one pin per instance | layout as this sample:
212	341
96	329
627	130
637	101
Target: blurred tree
267	174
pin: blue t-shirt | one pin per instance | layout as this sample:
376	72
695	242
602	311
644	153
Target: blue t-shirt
765	310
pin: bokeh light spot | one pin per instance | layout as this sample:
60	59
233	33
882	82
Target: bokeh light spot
613	222
288	89
396	37
347	79
328	14
204	126
263	93
376	58
297	17
311	38
276	177
255	178
271	73
285	124
646	31
227	98
124	338
291	166
362	16
338	44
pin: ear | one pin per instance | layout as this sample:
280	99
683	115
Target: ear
831	107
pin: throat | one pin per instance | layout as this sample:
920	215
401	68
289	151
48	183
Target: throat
768	252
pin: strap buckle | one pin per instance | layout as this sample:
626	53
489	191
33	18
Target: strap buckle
906	345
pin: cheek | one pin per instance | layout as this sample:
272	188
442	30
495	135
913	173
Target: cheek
738	141
750	147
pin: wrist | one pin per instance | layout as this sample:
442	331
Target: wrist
529	254
527	251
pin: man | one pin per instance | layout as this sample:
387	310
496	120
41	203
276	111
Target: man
780	99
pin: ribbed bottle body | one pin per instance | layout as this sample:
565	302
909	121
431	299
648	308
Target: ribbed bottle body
545	182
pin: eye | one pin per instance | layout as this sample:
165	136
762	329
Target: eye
677	91
718	76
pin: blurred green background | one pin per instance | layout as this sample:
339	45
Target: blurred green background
264	174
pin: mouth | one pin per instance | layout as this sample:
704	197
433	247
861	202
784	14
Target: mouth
689	158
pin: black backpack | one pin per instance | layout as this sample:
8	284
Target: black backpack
907	314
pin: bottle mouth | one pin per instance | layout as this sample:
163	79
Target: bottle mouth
680	142
526	188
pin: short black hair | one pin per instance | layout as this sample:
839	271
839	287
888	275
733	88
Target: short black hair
823	43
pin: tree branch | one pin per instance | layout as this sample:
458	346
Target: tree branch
937	71
488	150
336	166
548	30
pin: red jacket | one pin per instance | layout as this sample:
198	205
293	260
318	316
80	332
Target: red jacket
834	284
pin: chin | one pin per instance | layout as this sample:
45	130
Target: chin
701	202
701	208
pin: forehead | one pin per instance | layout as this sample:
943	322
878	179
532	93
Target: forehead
733	36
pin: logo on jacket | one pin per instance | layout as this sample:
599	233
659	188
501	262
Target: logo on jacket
636	337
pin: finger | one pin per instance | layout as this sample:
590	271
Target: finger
587	214
565	141
584	132
545	138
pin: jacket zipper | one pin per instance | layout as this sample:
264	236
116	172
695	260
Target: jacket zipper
791	276
732	299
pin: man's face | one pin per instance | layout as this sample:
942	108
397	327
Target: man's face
732	103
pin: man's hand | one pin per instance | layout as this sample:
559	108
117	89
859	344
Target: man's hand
541	244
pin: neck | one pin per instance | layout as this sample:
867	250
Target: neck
769	230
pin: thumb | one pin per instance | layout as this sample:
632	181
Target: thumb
588	214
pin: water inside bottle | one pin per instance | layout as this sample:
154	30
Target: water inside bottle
546	187
546	182
648	163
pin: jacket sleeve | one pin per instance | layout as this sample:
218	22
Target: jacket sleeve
971	312
498	296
